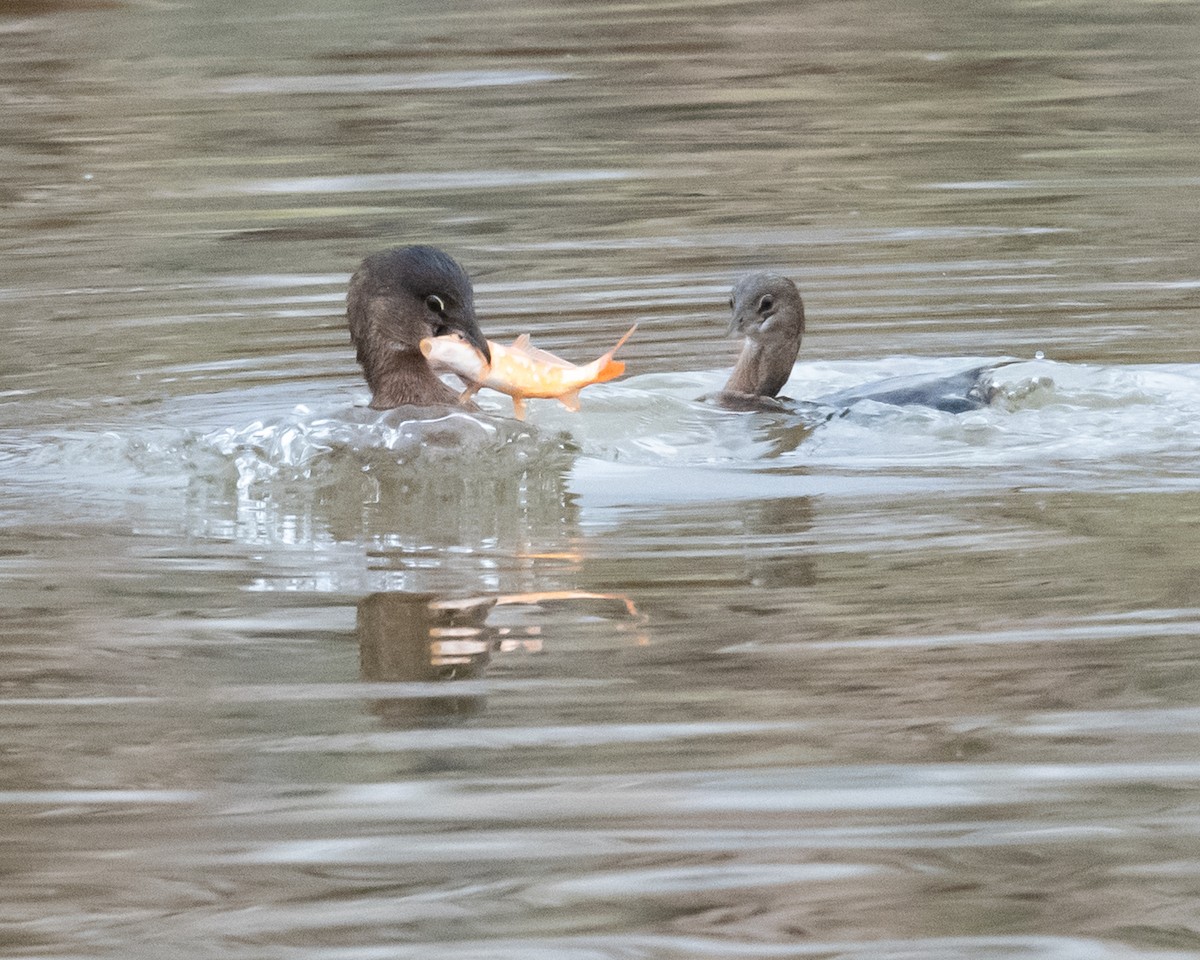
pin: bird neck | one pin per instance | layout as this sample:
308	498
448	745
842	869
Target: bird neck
763	369
403	379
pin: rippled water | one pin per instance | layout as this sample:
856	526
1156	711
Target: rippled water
285	677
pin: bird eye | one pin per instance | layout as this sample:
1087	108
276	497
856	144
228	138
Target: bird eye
731	303
766	303
435	303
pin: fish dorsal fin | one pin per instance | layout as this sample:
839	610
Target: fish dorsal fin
522	345
620	343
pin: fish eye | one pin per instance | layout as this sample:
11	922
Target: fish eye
435	303
766	303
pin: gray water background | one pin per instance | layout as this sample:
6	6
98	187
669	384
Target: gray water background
280	678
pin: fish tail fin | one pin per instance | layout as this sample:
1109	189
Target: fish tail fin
610	369
570	400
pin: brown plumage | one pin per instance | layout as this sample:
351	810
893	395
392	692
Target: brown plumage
398	297
768	311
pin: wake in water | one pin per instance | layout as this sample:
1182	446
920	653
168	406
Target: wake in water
1044	421
992	421
1011	420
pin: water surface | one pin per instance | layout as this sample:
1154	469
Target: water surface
287	678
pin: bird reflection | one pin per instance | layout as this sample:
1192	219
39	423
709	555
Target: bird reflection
418	638
421	638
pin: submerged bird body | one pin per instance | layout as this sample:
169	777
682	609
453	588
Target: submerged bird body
522	370
398	297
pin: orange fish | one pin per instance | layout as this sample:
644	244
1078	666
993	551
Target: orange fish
522	370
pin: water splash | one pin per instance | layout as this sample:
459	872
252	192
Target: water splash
1046	422
303	446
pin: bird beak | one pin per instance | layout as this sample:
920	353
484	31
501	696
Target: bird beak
479	341
468	326
735	326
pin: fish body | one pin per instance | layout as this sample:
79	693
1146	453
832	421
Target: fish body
521	370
